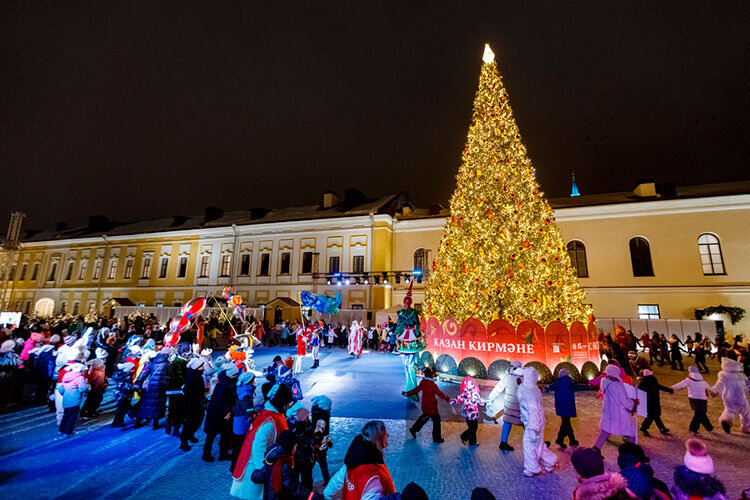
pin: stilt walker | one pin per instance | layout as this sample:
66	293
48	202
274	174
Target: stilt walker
410	341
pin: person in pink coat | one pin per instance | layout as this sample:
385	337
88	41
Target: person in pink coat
618	408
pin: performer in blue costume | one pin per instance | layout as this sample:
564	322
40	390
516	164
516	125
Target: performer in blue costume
410	341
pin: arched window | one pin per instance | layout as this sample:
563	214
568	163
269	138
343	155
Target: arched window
44	307
420	259
640	256
577	254
710	250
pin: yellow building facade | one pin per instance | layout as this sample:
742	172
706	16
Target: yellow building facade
696	241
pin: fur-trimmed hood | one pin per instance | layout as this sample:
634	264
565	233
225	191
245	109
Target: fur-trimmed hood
600	487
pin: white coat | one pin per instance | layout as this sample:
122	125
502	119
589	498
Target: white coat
616	416
731	384
532	416
504	398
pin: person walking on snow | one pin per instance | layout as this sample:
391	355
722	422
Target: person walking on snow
618	409
429	390
565	407
471	399
698	391
652	388
731	385
503	398
532	416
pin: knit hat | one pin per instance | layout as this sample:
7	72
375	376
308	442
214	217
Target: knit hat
276	358
563	373
413	491
7	346
482	494
632	353
55	339
639	483
69	340
125	367
647	373
101	353
516	364
289	362
613	371
322	402
302	414
245	378
588	462
286	441
279	396
630	454
96	362
697	458
37	337
196	363
693	370
231	370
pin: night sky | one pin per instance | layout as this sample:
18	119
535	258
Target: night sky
138	110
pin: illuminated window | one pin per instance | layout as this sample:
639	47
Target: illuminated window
226	262
648	311
128	269
204	267
710	252
97	270
577	254
420	259
146	271
112	270
163	267
82	272
640	257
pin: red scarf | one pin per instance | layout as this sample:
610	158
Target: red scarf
280	425
276	472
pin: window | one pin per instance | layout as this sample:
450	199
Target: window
176	304
420	259
648	311
12	274
265	264
146	271
63	307
226	262
204	267
358	264
640	257
97	270
286	261
245	265
334	264
23	275
52	272
112	270
163	267
69	274
182	271
577	254
35	272
128	269
76	308
307	262
27	307
82	272
710	252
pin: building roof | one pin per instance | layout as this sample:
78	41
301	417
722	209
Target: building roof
285	300
345	208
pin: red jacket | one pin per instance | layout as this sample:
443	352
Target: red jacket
429	390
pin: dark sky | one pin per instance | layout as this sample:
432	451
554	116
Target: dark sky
140	110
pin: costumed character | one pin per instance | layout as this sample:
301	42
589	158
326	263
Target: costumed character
301	348
356	333
532	415
504	398
731	384
410	341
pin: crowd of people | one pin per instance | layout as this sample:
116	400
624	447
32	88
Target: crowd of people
272	449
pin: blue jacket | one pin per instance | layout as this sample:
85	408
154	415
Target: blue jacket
124	387
243	408
565	400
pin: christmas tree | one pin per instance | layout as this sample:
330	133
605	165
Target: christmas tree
501	254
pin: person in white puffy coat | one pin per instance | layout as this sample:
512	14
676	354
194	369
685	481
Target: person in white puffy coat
532	416
618	409
503	398
731	384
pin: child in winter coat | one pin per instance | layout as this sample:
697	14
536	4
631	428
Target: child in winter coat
72	390
695	479
304	456
124	388
565	407
98	383
532	416
277	474
731	384
219	413
652	388
503	398
593	482
321	444
698	391
471	399
429	391
700	358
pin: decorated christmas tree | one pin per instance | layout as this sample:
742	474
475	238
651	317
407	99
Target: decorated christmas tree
501	254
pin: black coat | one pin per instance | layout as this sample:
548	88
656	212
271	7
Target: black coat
291	488
651	387
222	403
153	381
303	431
195	395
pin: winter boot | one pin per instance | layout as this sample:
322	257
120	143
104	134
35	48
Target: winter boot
176	431
156	424
138	423
168	429
224	457
664	431
727	427
561	443
506	447
207	457
184	446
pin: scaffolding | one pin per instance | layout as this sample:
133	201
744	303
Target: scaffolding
9	257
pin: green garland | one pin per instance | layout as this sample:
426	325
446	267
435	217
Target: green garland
735	313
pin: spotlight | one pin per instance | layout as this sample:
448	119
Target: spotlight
348	282
407	279
328	282
367	282
338	283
